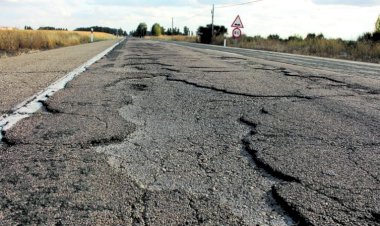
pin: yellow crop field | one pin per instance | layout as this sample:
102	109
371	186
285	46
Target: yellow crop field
15	40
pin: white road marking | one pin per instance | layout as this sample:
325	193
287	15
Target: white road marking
34	103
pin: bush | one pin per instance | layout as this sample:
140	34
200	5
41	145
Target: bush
273	37
205	33
295	38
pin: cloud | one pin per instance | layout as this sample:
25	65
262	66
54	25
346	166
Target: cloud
348	2
145	3
263	18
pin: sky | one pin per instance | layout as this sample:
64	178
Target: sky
345	19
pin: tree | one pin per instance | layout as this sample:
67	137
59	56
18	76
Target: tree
273	37
141	30
377	25
52	28
206	34
174	31
109	30
156	29
320	36
295	38
310	36
365	37
186	31
162	30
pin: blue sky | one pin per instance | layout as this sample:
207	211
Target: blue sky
334	18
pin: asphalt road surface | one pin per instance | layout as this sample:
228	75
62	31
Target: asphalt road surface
25	75
160	134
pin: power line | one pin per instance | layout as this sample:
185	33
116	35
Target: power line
238	4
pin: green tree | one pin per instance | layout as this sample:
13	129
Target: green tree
310	36
156	29
141	30
320	36
162	30
295	38
377	25
205	32
186	31
274	37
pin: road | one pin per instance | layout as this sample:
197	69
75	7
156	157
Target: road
341	66
25	75
161	134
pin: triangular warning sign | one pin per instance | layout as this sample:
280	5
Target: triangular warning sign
237	23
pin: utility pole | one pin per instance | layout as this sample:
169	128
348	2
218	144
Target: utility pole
172	25
212	21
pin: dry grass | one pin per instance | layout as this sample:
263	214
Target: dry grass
15	40
332	48
181	38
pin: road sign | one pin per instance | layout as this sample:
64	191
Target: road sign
236	33
237	23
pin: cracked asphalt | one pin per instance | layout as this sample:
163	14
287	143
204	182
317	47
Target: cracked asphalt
25	75
160	134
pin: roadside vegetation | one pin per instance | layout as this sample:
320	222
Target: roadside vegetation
113	31
14	41
366	48
158	30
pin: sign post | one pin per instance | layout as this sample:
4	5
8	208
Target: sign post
236	32
92	34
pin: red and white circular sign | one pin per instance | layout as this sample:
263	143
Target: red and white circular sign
236	33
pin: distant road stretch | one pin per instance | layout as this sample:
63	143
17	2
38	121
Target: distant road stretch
335	65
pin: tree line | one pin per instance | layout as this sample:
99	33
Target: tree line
205	35
157	30
46	28
114	31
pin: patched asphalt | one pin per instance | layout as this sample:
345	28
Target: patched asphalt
158	134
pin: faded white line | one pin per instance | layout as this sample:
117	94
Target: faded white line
34	103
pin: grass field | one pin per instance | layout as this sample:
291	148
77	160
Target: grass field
12	41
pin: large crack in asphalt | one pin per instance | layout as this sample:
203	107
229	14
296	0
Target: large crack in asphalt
351	212
262	164
237	93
